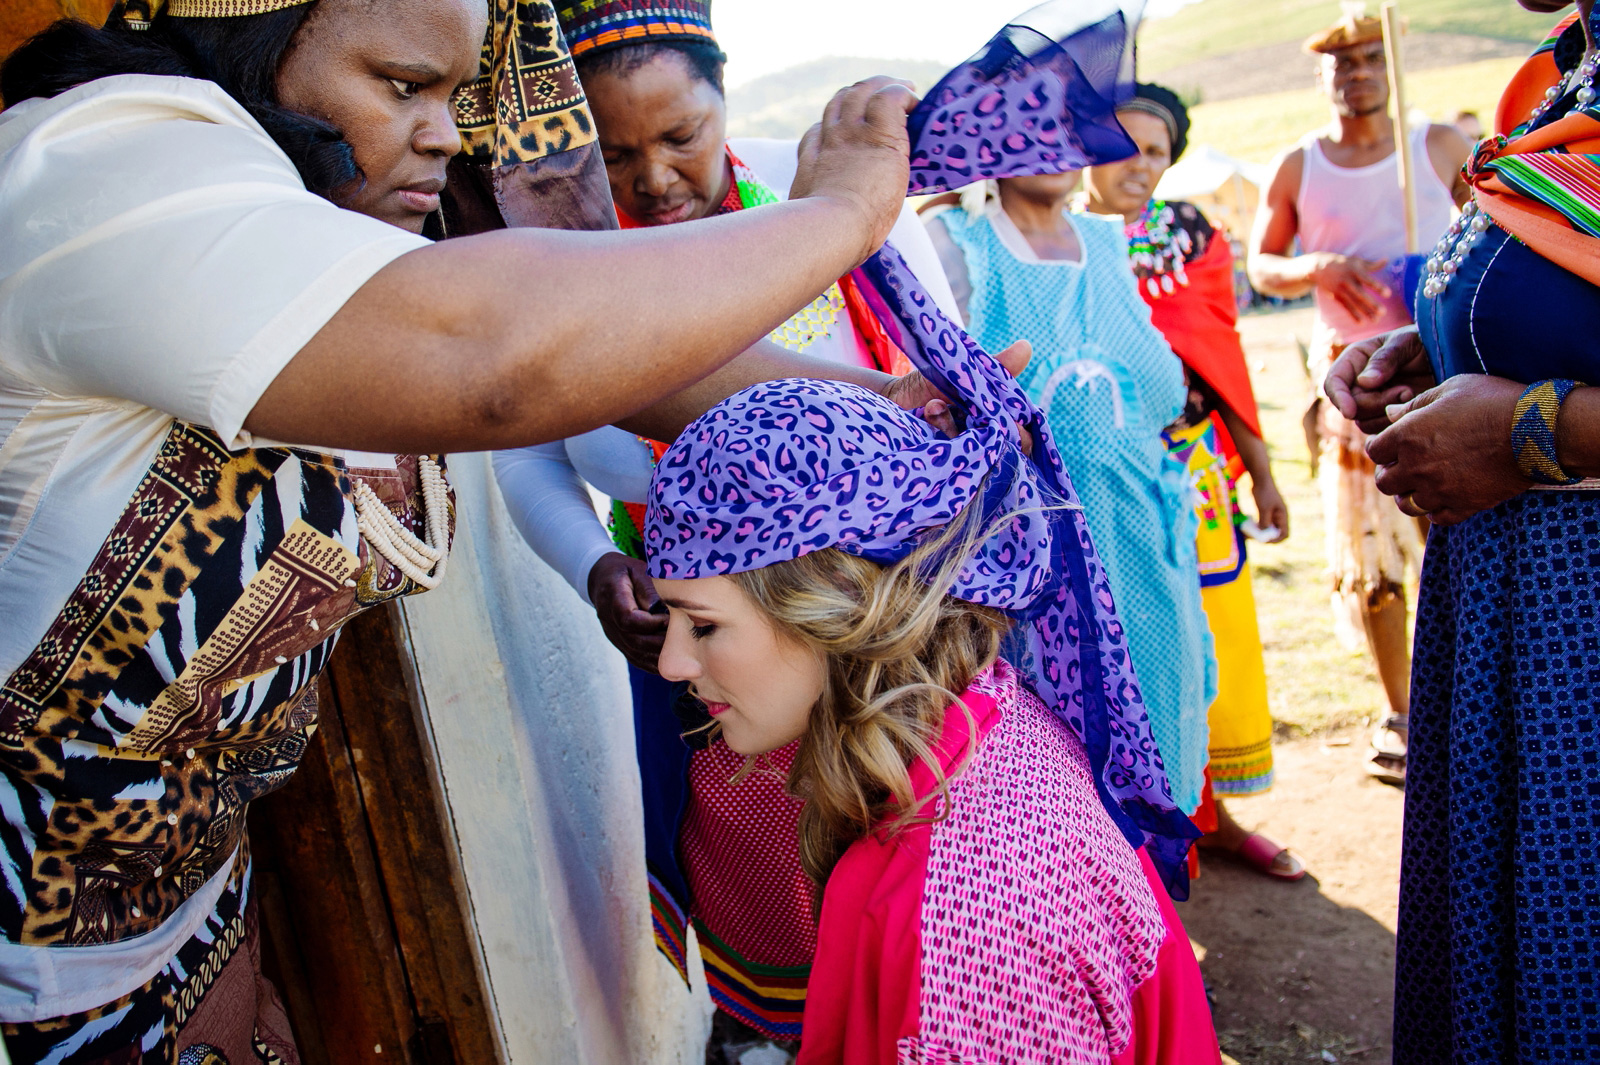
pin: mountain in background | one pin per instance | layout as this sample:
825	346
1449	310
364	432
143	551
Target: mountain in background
1209	51
1225	49
1215	28
789	102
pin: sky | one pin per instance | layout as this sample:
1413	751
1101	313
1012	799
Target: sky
765	36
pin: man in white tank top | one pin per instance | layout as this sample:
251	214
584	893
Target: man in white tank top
1338	193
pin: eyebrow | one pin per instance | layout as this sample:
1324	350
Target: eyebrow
684	604
420	71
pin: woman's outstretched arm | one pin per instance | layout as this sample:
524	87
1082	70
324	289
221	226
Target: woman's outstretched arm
522	336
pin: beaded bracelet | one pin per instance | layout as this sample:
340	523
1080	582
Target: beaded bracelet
1533	432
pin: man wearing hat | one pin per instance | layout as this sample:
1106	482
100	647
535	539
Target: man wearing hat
1338	192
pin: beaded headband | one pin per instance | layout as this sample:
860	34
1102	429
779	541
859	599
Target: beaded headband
138	14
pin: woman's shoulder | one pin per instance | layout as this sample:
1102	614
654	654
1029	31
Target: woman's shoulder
1027	844
139	137
125	99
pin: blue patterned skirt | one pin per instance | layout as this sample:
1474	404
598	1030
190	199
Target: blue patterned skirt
1499	936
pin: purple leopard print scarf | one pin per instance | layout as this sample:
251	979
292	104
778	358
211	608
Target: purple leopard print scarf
789	467
1040	98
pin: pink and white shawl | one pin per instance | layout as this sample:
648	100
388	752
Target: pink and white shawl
1021	927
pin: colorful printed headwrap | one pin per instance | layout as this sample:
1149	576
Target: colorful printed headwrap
790	467
1040	98
599	25
530	155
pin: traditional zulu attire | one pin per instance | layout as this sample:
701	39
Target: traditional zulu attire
173	588
1499	934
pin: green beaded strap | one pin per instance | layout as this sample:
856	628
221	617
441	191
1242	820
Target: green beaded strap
1533	432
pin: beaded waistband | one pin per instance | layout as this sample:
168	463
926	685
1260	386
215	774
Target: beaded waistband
1588	484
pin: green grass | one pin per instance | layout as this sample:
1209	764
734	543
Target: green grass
1218	27
1258	127
1314	682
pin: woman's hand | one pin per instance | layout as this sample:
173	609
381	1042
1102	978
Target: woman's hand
860	153
622	594
1271	511
916	392
1371	376
1447	454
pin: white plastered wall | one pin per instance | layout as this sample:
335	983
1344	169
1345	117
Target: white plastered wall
528	712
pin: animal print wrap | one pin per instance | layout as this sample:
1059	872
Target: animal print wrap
790	467
1040	98
178	682
530	156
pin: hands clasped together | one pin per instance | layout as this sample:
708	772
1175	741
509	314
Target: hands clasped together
1442	450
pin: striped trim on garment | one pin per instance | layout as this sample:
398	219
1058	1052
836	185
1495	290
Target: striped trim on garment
769	998
671	928
1569	184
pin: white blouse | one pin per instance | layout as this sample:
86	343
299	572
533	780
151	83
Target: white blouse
159	258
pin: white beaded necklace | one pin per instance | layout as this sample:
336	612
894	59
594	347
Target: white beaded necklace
1474	221
422	561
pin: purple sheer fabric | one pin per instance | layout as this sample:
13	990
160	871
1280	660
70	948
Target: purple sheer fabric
1039	98
790	467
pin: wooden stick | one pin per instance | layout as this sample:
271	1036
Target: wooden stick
1402	125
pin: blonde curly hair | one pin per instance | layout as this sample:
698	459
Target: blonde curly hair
899	651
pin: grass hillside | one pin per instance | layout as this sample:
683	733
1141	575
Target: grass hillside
1218	27
1256	128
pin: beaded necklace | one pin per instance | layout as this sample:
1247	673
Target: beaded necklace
1159	248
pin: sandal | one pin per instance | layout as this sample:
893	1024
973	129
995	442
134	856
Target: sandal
1387	759
1262	855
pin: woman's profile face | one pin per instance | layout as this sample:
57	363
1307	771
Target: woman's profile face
383	74
661	130
1124	187
758	684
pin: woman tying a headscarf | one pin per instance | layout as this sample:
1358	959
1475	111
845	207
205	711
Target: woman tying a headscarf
219	324
720	845
1184	269
1488	421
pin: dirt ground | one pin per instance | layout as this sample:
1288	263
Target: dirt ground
1303	972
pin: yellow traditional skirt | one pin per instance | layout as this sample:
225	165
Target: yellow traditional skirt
1240	721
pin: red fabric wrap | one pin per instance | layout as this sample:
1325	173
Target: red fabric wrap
1200	321
866	984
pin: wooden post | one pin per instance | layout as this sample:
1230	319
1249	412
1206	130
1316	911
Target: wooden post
1402	125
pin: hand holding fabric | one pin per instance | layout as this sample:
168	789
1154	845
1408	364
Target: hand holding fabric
622	594
1447	453
916	392
859	154
1371	376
